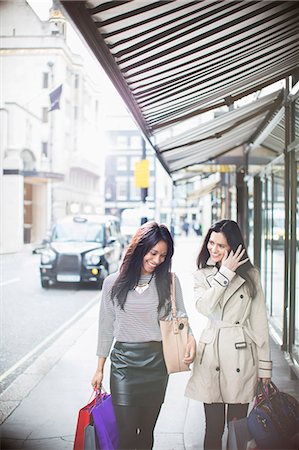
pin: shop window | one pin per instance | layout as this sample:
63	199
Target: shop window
273	237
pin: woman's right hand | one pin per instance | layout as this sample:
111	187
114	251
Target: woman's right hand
97	379
233	260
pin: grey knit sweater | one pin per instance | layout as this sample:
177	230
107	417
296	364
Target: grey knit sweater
139	321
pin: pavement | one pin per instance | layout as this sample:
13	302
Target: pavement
39	409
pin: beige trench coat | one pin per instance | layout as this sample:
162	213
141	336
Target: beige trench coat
233	350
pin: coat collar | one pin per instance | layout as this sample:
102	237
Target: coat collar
233	286
211	262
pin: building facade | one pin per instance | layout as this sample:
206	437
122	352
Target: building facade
50	148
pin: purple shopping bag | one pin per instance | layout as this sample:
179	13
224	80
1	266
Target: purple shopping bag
105	423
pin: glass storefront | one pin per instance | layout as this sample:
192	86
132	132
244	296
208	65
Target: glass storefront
272	248
279	232
295	347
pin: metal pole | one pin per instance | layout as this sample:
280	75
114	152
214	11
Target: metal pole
143	191
257	223
293	237
286	221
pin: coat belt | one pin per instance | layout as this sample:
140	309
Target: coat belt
258	340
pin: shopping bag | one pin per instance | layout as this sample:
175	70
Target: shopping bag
274	419
105	422
238	434
82	422
90	438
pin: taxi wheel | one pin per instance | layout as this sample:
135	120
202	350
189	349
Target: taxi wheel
45	284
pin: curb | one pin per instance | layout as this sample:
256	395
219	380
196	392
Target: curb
26	382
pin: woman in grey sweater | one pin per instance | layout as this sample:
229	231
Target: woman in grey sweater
133	301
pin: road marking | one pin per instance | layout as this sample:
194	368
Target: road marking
13	280
49	338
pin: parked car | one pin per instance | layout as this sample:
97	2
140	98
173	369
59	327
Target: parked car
39	247
81	249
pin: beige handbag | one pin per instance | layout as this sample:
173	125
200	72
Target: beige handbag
174	337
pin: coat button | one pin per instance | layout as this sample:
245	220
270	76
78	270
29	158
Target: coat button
237	323
241	296
225	282
238	370
217	368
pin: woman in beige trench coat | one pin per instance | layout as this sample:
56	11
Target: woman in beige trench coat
233	350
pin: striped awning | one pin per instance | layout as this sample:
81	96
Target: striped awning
174	60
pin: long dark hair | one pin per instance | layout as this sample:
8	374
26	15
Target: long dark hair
234	238
146	237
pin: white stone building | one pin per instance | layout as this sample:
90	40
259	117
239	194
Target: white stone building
51	160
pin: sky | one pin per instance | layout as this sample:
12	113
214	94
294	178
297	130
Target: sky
41	7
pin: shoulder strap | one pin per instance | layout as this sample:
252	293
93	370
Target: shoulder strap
172	295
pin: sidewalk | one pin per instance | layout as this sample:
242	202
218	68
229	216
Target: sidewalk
44	401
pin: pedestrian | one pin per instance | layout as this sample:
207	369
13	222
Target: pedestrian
233	350
197	228
186	227
133	301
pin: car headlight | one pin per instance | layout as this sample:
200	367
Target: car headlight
92	259
48	256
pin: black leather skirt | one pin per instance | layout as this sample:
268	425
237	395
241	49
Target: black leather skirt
138	374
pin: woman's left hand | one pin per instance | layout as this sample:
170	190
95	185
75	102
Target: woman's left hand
265	381
190	352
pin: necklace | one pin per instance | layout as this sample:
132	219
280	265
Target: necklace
140	288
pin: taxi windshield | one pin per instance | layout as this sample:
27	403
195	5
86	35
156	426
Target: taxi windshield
78	232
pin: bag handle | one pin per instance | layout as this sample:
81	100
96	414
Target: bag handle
267	390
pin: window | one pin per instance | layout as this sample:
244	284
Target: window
45	149
151	189
45	115
45	80
134	191
151	163
133	161
135	142
121	189
121	163
122	141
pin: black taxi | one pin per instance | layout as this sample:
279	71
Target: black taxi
81	249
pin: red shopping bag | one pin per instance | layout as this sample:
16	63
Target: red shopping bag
83	421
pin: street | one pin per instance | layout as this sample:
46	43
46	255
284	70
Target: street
33	317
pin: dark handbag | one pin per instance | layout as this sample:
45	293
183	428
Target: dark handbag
105	422
174	334
274	418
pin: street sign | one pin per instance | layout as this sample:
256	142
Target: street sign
142	173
